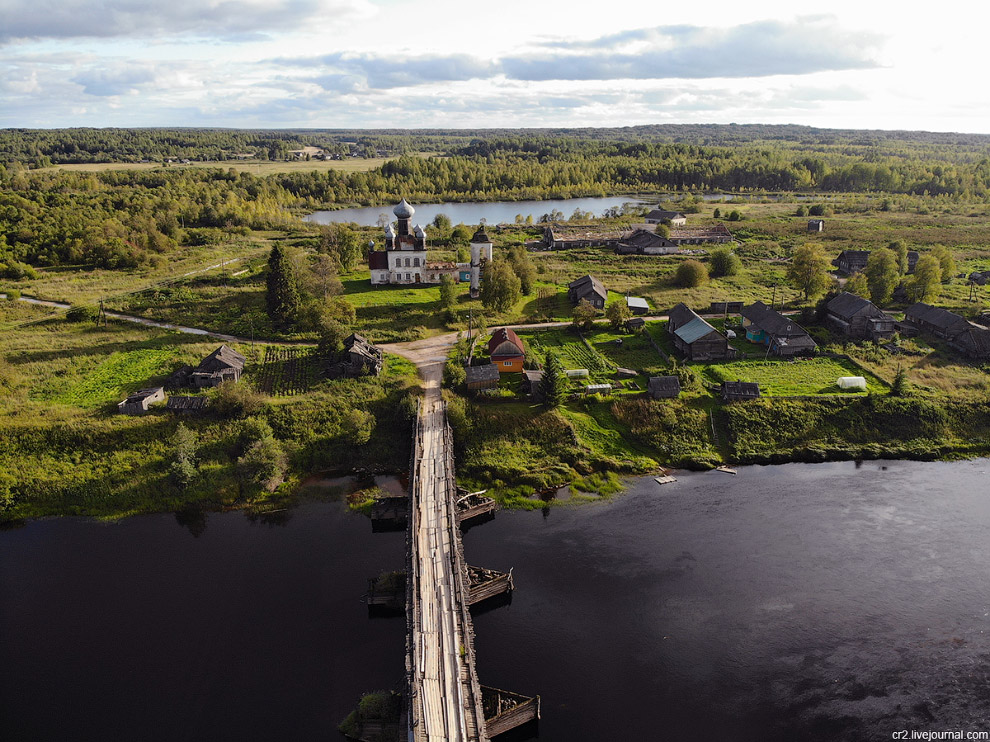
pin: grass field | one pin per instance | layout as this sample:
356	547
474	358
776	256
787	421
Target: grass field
114	378
801	377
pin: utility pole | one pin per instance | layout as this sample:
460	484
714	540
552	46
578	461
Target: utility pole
101	318
773	301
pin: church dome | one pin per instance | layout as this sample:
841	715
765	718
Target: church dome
419	231
481	236
389	232
404	210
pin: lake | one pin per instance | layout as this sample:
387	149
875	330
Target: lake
798	602
496	212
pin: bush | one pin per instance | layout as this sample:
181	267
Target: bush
237	400
691	274
13	294
82	313
723	262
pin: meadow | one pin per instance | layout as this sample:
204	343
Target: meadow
800	377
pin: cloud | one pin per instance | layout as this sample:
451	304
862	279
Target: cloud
347	71
237	19
107	82
761	49
758	49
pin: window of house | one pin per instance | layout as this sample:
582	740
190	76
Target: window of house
415	262
507	363
408	276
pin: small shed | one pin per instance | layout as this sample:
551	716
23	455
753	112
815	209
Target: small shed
481	377
223	364
138	403
634	324
532	380
736	390
181	405
664	387
816	225
637	305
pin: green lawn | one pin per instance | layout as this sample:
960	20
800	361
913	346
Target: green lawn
801	377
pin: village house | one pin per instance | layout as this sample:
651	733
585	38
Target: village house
590	288
664	387
854	261
694	338
506	351
816	225
662	216
359	357
481	377
782	335
644	242
223	364
139	401
739	390
856	317
968	338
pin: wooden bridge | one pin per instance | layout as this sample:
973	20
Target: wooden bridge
443	698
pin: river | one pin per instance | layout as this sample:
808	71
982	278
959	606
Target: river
799	602
495	212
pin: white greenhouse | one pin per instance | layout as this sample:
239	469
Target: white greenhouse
852	382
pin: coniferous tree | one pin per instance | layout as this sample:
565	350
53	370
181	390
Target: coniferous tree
552	383
282	296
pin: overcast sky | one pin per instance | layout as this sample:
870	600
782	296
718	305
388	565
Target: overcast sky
508	63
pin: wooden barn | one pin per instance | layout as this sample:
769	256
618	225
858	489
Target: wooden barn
223	364
182	405
506	351
962	335
733	391
481	377
694	338
664	387
856	317
532	383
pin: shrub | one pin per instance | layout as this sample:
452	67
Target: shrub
82	313
13	294
723	262
691	274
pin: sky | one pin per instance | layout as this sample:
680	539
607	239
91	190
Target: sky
510	63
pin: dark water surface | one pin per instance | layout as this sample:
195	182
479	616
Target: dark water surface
799	602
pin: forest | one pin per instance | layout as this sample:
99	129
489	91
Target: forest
123	218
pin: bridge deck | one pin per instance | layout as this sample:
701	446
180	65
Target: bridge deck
445	700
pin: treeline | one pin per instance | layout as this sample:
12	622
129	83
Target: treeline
119	219
46	147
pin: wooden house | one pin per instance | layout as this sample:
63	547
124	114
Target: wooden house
662	216
696	339
816	225
854	261
506	351
739	390
782	335
223	364
590	288
856	317
644	242
664	387
481	377
139	402
851	261
962	335
358	358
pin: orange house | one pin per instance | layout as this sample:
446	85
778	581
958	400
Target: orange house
506	351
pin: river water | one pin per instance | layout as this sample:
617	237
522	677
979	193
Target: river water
797	602
496	212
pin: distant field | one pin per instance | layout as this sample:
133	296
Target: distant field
258	167
793	378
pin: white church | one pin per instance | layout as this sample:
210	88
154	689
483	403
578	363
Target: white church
403	261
